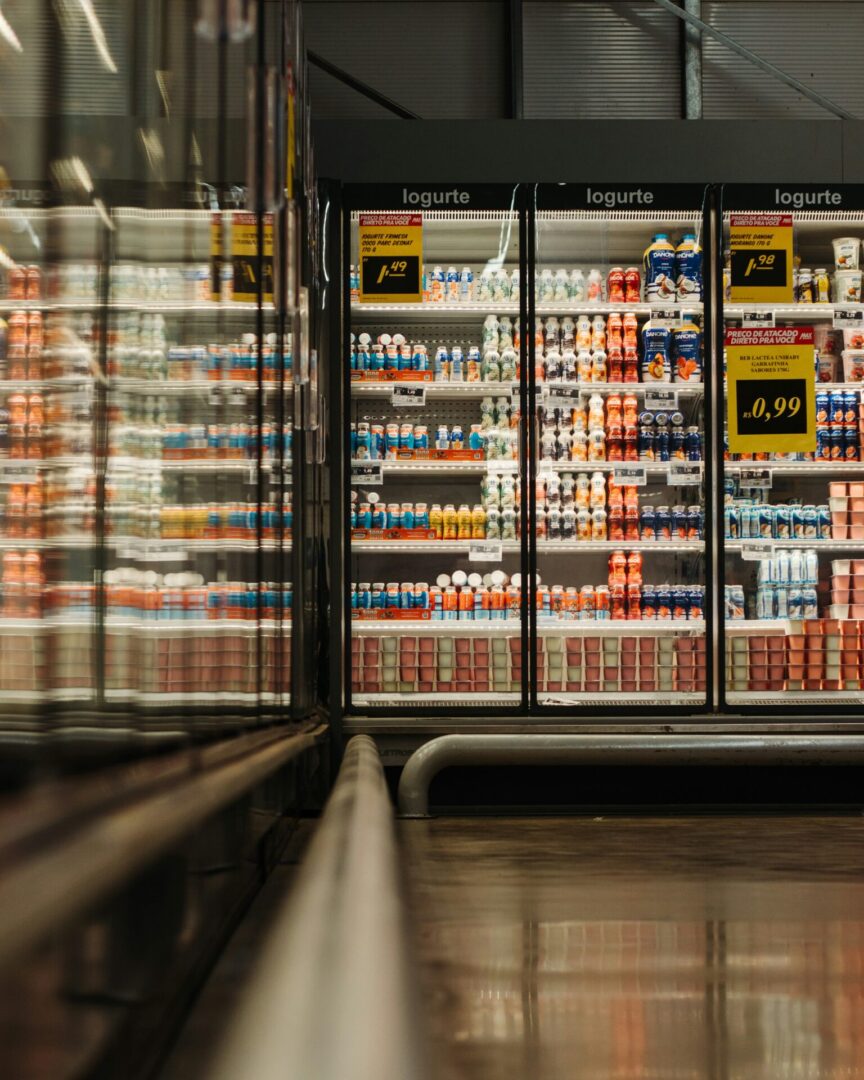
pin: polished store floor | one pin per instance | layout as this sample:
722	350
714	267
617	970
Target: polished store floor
716	947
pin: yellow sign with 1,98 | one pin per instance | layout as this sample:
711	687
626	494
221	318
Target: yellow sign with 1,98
761	251
771	390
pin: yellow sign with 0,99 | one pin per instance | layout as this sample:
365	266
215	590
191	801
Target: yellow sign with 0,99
771	389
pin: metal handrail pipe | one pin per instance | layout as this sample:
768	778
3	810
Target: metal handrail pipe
331	998
44	891
709	749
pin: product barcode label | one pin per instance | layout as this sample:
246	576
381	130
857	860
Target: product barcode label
408	396
485	551
851	318
561	397
369	475
755	550
684	472
755	478
630	475
661	400
756	319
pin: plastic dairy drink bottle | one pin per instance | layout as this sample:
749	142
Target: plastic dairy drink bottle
466	284
687	351
659	270
453	284
577	285
688	269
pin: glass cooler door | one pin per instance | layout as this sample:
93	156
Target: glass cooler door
793	528
619	467
435	546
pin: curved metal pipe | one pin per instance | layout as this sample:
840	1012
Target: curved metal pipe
331	997
458	750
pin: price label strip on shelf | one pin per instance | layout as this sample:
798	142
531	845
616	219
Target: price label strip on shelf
755	319
665	317
771	390
391	253
485	551
630	475
851	318
755	478
369	475
561	397
684	473
761	247
18	473
408	396
755	551
661	400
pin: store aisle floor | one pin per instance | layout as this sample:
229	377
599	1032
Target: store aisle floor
603	948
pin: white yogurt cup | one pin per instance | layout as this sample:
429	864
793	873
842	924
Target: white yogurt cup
847	251
847	287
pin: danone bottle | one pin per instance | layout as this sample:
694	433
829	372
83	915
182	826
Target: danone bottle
658	264
688	269
687	350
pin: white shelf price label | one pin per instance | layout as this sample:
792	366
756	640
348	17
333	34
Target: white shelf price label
755	478
682	473
369	474
485	551
561	397
755	319
661	400
153	555
665	317
19	474
755	551
849	318
408	397
630	475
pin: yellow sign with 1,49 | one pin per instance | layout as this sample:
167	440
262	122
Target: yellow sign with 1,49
391	256
771	390
761	269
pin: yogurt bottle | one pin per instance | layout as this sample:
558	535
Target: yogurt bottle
658	265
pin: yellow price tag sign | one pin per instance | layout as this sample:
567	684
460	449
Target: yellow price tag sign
771	390
761	250
391	258
248	265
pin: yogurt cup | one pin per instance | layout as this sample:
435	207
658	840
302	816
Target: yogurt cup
847	250
847	287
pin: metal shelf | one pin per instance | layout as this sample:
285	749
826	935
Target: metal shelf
410	467
466	697
159	307
424	547
488	389
621	697
512	627
483	308
815	545
652	468
599	546
793	697
832	469
805	312
446	311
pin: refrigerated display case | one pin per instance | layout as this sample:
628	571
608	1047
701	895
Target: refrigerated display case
435	540
793	524
147	355
562	562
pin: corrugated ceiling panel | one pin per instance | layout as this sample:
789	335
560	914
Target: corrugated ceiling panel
439	58
821	43
612	60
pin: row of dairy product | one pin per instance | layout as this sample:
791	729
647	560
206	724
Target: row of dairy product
614	429
669	271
